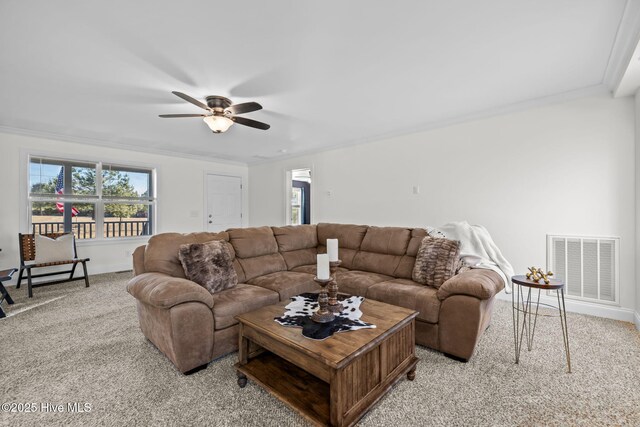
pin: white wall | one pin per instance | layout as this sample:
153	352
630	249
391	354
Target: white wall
637	209
566	168
180	184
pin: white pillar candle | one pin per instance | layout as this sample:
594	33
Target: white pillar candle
332	249
323	266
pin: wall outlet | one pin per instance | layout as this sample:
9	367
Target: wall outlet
416	189
329	193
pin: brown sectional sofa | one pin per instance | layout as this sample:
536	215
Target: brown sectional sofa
192	326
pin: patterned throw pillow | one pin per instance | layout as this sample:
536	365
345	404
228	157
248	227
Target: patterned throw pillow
438	260
209	265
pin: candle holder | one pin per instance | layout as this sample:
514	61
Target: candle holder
332	289
323	315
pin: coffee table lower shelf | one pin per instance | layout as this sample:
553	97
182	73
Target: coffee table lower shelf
294	386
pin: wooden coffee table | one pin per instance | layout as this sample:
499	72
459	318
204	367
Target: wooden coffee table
335	381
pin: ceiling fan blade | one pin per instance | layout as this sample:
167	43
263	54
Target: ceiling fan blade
191	100
245	107
171	116
251	123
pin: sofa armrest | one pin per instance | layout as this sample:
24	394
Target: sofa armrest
164	291
138	260
476	282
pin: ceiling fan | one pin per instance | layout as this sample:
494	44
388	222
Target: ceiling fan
221	112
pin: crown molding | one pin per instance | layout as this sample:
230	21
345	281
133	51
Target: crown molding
590	91
624	44
112	144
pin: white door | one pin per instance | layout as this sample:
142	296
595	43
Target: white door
224	202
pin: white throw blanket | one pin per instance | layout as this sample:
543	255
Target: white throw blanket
477	249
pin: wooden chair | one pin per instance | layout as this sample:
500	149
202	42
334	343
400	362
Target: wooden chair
28	253
4	294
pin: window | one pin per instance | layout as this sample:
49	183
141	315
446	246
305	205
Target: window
92	200
296	201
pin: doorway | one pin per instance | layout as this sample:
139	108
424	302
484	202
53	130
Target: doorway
299	196
223	202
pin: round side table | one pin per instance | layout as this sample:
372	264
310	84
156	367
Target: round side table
525	306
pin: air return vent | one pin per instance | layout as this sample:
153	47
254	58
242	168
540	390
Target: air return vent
587	265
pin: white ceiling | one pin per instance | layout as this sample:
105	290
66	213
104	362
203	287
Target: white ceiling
327	73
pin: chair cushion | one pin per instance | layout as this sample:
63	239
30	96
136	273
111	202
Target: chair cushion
437	261
240	299
408	294
355	282
53	250
286	283
209	265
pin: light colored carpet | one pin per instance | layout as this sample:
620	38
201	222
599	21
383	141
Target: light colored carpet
87	347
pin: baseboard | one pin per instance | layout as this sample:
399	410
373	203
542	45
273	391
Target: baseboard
589	308
93	269
637	319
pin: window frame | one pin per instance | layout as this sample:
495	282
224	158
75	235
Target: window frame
98	199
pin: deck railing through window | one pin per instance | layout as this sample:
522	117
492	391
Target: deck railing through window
87	229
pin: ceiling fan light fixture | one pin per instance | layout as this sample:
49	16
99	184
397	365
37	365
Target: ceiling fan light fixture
218	124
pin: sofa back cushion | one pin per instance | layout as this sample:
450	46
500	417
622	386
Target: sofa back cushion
382	249
161	252
349	240
257	251
405	267
297	244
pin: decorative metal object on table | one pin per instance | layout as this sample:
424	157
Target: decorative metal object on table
529	316
323	315
332	289
536	274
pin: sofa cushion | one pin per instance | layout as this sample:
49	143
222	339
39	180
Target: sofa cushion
261	265
417	236
256	250
313	269
355	282
287	283
409	294
382	249
376	263
253	242
349	239
294	237
297	244
161	252
405	267
437	261
386	240
240	299
209	265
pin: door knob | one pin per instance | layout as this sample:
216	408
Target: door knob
210	215
210	222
